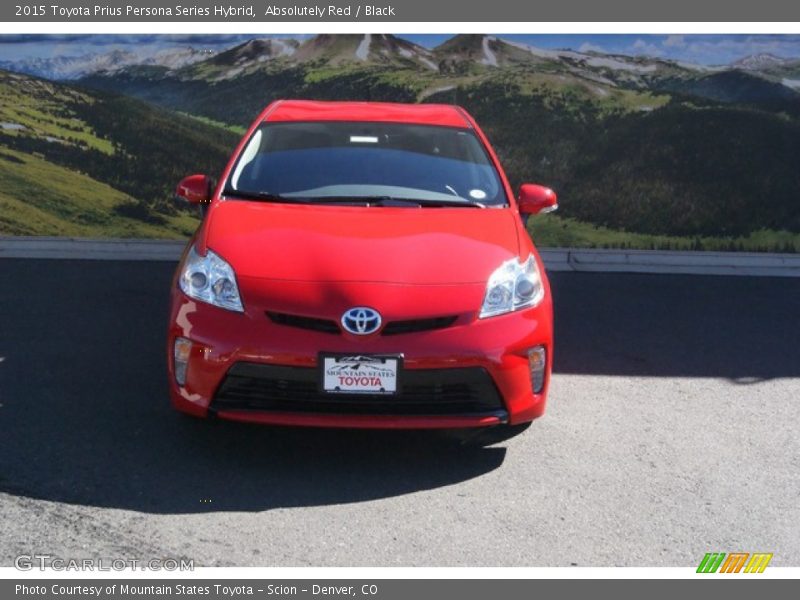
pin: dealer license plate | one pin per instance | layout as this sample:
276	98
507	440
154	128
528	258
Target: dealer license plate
360	374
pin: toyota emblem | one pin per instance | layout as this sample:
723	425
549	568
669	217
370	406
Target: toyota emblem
361	320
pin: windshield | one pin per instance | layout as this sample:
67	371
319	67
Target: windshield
315	161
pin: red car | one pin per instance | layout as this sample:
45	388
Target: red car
362	265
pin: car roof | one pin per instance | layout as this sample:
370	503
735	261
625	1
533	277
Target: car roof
421	114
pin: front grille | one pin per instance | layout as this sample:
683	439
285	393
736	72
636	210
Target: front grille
412	326
391	328
460	391
324	325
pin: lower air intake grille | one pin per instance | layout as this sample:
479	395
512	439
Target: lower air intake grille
253	386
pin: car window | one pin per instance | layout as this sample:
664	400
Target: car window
318	160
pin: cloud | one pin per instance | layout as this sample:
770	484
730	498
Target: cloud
589	47
675	41
641	47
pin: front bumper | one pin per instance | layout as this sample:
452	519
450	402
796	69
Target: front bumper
273	365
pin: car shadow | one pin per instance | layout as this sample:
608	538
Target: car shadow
84	415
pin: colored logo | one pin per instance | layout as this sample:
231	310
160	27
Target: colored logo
735	562
361	320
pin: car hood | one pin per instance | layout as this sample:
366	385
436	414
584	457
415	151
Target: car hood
378	244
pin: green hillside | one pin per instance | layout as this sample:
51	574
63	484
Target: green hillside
682	169
38	197
556	231
688	170
75	162
642	152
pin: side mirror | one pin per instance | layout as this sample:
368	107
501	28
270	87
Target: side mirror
536	199
195	189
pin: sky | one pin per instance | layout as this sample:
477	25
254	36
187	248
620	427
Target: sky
716	49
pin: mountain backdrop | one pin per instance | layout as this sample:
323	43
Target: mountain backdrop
643	152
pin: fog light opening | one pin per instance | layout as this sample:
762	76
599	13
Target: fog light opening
181	352
537	361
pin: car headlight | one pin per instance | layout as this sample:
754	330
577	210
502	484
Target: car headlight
210	279
513	286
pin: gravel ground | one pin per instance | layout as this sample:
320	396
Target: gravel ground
671	432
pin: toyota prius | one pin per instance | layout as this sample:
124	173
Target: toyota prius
362	265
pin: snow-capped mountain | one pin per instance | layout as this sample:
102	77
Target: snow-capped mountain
362	49
246	57
320	50
785	71
176	58
759	62
468	53
463	51
749	79
256	51
75	67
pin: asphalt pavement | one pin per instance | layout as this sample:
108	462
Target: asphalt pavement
672	431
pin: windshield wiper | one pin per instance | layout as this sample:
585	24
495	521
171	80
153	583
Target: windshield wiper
270	197
443	202
357	200
265	196
394	201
